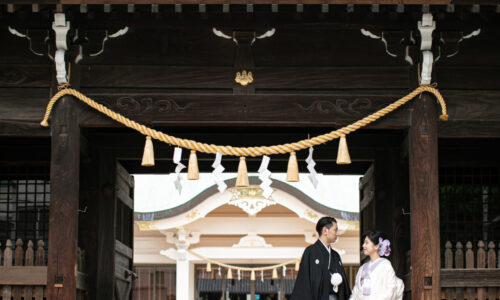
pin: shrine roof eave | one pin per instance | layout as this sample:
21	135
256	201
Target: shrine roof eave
190	205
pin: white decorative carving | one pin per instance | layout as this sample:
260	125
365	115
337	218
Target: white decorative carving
26	36
250	199
378	37
252	240
182	240
464	37
405	40
120	32
426	27
61	28
219	33
267	34
408	57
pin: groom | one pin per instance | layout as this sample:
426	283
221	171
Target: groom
321	275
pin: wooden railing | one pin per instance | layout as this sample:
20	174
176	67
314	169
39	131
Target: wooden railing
23	272
469	275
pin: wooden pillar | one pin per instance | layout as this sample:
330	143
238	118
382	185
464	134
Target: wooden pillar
88	218
63	218
252	289
424	200
106	235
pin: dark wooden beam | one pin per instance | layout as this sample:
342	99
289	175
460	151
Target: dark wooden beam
472	113
20	104
161	109
467	278
469	129
63	219
23	128
26	76
424	200
265	78
142	2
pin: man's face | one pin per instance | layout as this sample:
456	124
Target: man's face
331	234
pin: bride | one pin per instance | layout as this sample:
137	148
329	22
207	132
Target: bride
376	279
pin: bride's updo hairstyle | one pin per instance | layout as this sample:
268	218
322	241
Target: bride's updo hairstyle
374	236
380	239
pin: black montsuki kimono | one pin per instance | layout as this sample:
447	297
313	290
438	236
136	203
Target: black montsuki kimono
313	279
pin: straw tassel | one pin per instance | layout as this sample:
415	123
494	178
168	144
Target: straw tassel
148	158
193	172
343	157
292	173
252	275
209	267
229	274
297	264
242	179
275	274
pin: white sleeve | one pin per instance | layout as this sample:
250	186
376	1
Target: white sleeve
357	290
385	284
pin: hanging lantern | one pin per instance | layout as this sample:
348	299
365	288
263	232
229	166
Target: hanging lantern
193	172
229	274
148	157
252	275
343	157
209	267
292	173
297	265
242	179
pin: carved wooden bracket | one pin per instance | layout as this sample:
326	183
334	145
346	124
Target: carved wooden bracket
445	44
426	27
396	43
61	28
63	38
244	59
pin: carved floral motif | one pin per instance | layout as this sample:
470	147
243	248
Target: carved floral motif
131	105
356	107
12	76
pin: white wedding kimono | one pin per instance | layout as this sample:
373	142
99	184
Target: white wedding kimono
377	281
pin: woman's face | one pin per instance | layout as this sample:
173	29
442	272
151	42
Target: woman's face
369	248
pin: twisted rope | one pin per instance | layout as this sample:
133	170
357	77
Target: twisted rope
244	151
243	268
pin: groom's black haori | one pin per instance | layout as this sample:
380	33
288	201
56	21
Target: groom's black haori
313	279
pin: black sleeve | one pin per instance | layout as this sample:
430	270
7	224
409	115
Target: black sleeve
302	289
344	288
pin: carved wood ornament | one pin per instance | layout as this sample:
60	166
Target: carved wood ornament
244	59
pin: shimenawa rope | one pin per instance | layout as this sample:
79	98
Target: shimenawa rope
244	151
